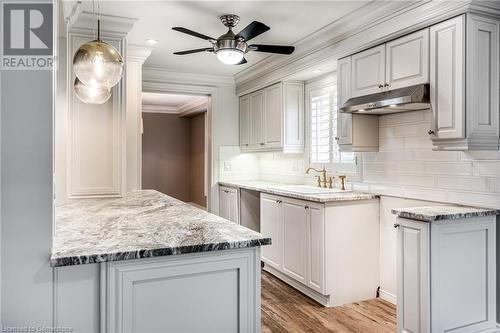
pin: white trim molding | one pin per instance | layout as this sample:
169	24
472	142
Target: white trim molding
387	296
155	74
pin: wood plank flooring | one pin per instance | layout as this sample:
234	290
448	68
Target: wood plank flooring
286	310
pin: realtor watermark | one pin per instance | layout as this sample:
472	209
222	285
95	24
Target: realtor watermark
38	328
27	35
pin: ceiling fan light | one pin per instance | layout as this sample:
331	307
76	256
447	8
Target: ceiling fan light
230	56
98	65
90	95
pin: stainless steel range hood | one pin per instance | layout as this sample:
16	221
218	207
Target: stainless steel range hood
398	100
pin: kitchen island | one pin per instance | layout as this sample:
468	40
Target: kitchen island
148	262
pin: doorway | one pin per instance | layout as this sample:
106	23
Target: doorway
174	146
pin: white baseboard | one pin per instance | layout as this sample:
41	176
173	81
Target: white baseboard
321	299
386	296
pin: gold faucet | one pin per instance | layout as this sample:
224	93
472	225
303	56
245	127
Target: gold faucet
321	182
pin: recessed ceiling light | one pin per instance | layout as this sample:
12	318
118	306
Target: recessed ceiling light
152	41
393	105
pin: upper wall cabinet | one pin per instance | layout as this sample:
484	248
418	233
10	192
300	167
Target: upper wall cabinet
273	118
464	80
400	63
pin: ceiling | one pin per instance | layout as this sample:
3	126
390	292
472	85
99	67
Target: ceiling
290	21
171	103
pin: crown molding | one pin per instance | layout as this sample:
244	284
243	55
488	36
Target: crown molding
138	53
374	24
197	106
79	20
163	75
153	108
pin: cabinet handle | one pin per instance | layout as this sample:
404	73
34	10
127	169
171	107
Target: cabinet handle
337	138
430	132
386	85
380	86
279	201
396	225
306	207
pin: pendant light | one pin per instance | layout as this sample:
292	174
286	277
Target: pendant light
91	95
98	64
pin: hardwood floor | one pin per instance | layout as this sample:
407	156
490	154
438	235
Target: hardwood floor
286	310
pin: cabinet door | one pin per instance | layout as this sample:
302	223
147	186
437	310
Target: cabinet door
223	204
294	115
447	74
316	248
271	226
295	239
368	71
408	60
413	276
257	120
273	116
232	203
344	120
483	78
244	122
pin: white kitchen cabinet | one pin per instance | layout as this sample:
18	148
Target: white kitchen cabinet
257	120
316	247
295	239
413	276
447	78
272	116
276	120
313	249
244	120
271	225
464	77
344	120
368	71
229	204
446	275
407	60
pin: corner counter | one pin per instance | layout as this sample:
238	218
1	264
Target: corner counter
149	262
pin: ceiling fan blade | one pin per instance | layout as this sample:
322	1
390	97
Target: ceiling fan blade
252	30
206	49
193	33
272	48
243	61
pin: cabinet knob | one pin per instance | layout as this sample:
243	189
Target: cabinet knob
337	138
396	225
262	144
430	132
386	85
306	207
380	86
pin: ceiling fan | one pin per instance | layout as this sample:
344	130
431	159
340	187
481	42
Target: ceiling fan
230	48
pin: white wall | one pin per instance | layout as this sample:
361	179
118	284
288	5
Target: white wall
26	198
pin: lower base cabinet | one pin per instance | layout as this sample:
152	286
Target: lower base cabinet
229	204
446	275
194	292
328	251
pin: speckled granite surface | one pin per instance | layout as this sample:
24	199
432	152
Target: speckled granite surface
143	224
444	212
282	189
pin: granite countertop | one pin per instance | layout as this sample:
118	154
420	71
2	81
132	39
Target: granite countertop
443	212
142	224
282	189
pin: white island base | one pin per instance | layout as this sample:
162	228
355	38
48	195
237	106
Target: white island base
215	291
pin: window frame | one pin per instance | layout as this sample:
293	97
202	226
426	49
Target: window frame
351	170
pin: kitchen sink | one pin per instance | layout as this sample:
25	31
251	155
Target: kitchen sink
307	189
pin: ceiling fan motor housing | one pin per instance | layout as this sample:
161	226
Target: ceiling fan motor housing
230	20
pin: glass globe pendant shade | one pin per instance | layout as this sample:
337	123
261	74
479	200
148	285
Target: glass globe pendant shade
230	56
98	65
90	95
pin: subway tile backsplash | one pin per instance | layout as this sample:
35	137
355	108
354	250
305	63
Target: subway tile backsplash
405	166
